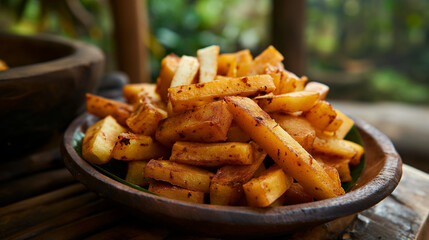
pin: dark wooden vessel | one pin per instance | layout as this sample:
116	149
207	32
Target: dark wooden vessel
44	87
381	175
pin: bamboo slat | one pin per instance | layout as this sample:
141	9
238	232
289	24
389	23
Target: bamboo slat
132	230
18	221
85	226
33	185
29	165
43	199
66	218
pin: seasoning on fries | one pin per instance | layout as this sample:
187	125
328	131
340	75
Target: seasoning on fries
227	129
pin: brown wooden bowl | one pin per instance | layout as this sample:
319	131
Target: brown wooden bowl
381	175
43	89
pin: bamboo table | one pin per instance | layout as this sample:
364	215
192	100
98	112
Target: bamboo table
40	199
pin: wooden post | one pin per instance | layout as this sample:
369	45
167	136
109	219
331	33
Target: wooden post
130	31
288	23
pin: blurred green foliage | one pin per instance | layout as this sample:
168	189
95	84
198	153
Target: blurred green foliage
388	83
184	26
384	44
86	20
179	26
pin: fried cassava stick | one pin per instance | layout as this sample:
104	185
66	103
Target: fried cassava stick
282	148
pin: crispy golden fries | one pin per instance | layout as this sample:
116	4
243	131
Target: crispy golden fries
216	117
227	65
135	147
208	123
244	62
284	150
145	118
188	97
321	115
208	63
103	107
265	189
345	127
135	173
358	150
168	68
298	128
321	88
178	174
226	186
288	102
186	71
212	154
334	125
339	163
334	147
170	191
236	134
140	91
269	56
100	139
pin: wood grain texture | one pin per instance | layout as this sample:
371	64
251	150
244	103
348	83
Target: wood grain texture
380	177
33	185
34	163
18	221
85	226
43	199
403	214
65	217
132	230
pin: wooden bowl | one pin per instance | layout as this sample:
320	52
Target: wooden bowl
44	87
380	177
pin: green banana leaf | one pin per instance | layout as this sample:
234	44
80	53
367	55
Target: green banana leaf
356	171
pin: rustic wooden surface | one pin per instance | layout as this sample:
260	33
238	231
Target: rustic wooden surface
39	199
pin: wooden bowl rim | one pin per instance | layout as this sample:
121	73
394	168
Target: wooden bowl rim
82	54
315	212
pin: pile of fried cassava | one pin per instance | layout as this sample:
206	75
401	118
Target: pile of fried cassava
226	129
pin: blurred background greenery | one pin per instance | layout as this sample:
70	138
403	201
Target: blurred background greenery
369	50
